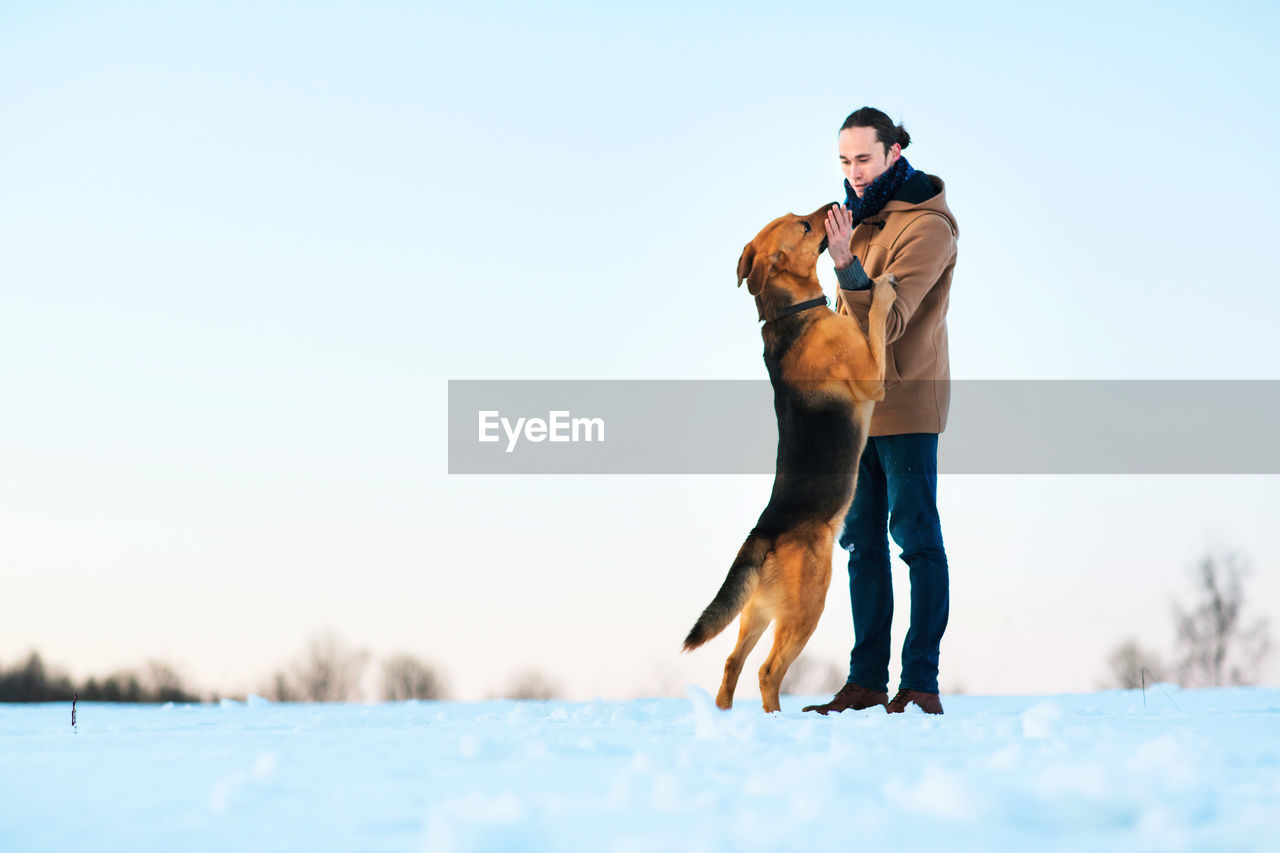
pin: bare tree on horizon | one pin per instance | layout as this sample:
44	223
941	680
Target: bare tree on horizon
328	671
1215	647
1212	644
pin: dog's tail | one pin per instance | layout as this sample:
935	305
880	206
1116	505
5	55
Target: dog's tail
734	592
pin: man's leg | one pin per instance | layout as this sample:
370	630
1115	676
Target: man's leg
910	465
870	583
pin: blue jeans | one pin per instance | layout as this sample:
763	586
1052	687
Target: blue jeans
897	484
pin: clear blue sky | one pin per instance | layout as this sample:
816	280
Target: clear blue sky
244	246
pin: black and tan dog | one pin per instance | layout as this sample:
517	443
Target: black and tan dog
826	374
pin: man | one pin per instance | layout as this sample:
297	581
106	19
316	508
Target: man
895	220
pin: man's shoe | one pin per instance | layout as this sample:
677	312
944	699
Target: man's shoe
928	702
852	696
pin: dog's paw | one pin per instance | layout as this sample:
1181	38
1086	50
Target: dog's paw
884	292
884	284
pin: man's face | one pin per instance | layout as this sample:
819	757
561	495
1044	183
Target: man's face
863	158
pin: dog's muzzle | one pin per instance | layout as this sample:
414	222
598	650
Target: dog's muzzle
822	247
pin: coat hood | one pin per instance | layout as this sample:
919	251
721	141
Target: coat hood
915	195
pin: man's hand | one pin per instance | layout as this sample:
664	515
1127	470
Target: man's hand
839	233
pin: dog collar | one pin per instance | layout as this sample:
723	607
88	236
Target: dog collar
798	307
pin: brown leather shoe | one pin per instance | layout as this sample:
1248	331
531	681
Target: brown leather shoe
928	702
852	696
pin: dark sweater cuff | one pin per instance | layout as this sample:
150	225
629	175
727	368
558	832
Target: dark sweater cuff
853	277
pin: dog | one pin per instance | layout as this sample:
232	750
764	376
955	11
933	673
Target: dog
827	374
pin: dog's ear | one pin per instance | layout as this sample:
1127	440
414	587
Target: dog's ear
762	270
745	260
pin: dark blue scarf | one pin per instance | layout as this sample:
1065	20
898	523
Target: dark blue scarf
878	193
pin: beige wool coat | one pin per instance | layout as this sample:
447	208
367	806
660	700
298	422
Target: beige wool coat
916	242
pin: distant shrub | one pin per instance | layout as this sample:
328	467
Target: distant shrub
30	681
531	685
1134	666
810	677
406	677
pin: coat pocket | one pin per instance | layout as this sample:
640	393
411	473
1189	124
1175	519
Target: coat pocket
891	377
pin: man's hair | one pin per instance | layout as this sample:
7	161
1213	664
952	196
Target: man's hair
887	133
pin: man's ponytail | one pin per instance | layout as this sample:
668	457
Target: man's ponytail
887	133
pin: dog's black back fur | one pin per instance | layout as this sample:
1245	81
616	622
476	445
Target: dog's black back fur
818	443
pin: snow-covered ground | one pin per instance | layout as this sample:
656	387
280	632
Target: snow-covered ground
1190	770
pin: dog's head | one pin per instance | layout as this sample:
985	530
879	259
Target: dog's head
780	264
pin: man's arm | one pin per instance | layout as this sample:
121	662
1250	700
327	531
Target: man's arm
853	276
923	251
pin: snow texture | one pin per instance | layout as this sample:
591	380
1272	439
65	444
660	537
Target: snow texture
1176	770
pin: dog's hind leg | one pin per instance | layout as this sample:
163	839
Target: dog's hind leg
788	641
751	624
798	615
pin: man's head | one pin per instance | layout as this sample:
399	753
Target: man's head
869	144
